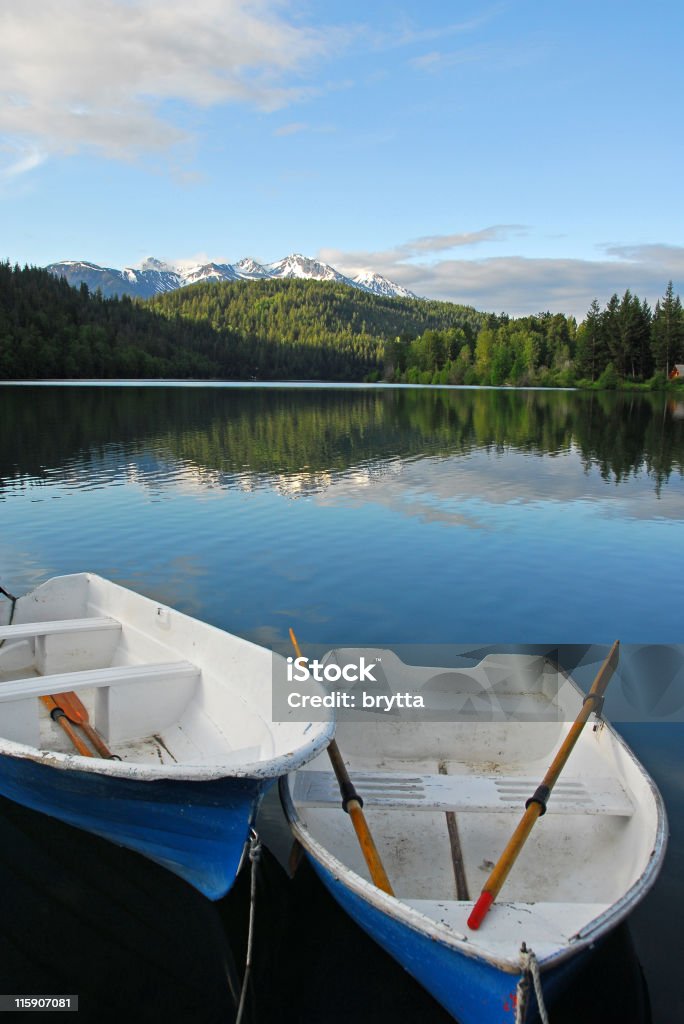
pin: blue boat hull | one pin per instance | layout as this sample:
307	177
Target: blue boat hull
198	830
472	990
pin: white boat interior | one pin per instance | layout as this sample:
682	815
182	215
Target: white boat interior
170	696
443	797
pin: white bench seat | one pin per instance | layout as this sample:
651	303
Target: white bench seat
401	791
28	630
64	682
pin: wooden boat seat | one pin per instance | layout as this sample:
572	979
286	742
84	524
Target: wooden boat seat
29	630
400	791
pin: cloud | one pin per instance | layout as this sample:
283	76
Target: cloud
21	157
421	247
436	60
291	129
520	285
405	32
99	75
669	257
296	127
497	58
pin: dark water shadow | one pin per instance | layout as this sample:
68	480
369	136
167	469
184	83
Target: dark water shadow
81	916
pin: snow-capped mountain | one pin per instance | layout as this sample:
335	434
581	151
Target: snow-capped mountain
154	276
249	268
303	267
379	285
210	272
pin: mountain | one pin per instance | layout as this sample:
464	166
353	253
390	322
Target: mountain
248	268
154	277
379	285
304	268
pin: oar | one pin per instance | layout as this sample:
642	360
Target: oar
57	715
536	805
76	711
352	804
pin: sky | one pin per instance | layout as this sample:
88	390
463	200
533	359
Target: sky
516	156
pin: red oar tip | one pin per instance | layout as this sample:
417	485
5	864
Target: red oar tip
477	914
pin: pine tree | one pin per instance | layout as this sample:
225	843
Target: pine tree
667	331
591	347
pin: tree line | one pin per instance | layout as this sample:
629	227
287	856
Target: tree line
626	341
293	329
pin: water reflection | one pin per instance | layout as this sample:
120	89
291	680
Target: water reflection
299	441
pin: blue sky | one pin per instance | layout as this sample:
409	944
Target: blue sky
518	156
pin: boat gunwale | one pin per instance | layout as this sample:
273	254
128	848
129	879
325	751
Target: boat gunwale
271	768
402	912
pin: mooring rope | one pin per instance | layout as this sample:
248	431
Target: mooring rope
530	969
254	856
13	600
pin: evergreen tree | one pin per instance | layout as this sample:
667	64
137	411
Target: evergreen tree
667	332
591	353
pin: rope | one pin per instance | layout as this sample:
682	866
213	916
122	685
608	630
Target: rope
13	599
254	856
530	969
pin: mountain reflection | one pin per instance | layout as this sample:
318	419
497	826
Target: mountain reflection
299	441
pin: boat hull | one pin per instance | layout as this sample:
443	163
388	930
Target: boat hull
198	830
471	989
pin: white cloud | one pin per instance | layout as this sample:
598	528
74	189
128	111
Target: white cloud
83	74
517	284
419	247
406	32
293	128
16	158
297	127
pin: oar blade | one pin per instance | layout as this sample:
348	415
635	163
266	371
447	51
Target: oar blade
73	708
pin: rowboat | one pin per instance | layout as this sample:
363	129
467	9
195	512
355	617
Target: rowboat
184	746
443	790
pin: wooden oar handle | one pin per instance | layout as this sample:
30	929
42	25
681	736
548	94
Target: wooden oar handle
536	805
353	804
503	867
347	787
97	741
368	847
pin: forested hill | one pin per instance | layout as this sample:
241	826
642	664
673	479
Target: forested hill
315	313
262	329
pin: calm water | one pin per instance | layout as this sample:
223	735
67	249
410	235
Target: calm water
374	516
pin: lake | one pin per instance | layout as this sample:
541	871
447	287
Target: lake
367	515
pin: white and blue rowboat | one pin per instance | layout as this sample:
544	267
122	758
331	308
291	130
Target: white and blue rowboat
443	797
184	707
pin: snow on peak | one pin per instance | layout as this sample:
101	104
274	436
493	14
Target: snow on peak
305	268
247	267
74	264
209	272
379	285
153	275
